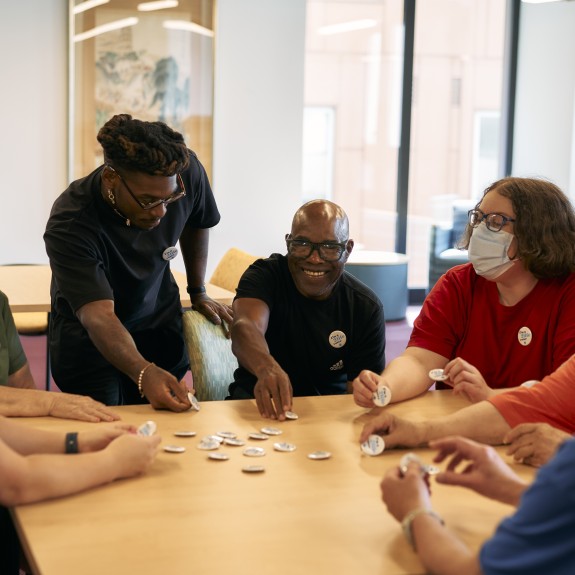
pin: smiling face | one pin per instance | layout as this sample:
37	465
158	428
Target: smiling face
144	188
319	222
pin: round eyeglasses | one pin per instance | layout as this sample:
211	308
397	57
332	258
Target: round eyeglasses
178	194
302	249
493	221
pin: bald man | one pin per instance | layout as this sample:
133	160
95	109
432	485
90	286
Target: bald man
303	325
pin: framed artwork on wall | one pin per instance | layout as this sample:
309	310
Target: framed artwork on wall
153	60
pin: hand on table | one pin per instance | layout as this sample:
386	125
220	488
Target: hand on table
534	443
273	392
466	380
164	391
133	454
100	436
395	431
68	406
482	469
217	313
364	385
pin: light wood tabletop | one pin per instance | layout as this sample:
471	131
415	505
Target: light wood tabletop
189	514
28	288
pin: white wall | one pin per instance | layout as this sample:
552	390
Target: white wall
544	141
258	119
33	123
257	131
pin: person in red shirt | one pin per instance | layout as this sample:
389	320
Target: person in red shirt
506	317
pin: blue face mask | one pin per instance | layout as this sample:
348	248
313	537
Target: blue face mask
488	252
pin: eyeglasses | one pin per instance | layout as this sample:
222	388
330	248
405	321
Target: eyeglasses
302	249
180	193
493	221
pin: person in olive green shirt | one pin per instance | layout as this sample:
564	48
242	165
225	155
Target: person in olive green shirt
19	396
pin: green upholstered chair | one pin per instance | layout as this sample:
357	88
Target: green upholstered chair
211	359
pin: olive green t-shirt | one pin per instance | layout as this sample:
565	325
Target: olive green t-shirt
12	356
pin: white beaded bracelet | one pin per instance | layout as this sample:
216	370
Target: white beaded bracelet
408	520
140	377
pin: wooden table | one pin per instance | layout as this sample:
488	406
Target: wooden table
28	288
189	514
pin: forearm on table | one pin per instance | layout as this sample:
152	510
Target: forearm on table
16	402
440	551
47	476
480	422
26	440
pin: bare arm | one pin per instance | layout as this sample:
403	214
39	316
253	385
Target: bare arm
480	421
407	376
39	477
440	551
27	440
115	343
251	317
194	243
35	403
22	378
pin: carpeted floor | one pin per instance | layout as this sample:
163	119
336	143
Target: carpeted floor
397	335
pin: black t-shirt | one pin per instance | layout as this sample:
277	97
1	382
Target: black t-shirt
321	345
94	255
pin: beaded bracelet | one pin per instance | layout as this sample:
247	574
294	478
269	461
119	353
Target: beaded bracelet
140	377
408	520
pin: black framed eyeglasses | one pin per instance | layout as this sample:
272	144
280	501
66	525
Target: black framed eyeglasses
178	194
302	249
493	221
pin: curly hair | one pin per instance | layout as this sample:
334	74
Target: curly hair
149	147
544	225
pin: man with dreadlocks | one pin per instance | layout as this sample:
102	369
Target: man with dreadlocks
116	326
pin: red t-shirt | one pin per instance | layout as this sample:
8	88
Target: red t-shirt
462	317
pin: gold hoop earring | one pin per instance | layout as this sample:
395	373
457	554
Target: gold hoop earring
111	196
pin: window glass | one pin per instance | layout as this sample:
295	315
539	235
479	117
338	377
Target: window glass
456	103
353	63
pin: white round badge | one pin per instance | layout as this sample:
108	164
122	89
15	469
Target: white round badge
170	253
337	339
524	336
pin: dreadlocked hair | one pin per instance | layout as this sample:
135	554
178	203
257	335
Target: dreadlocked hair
149	147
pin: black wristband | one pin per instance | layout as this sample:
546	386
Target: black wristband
72	442
196	290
